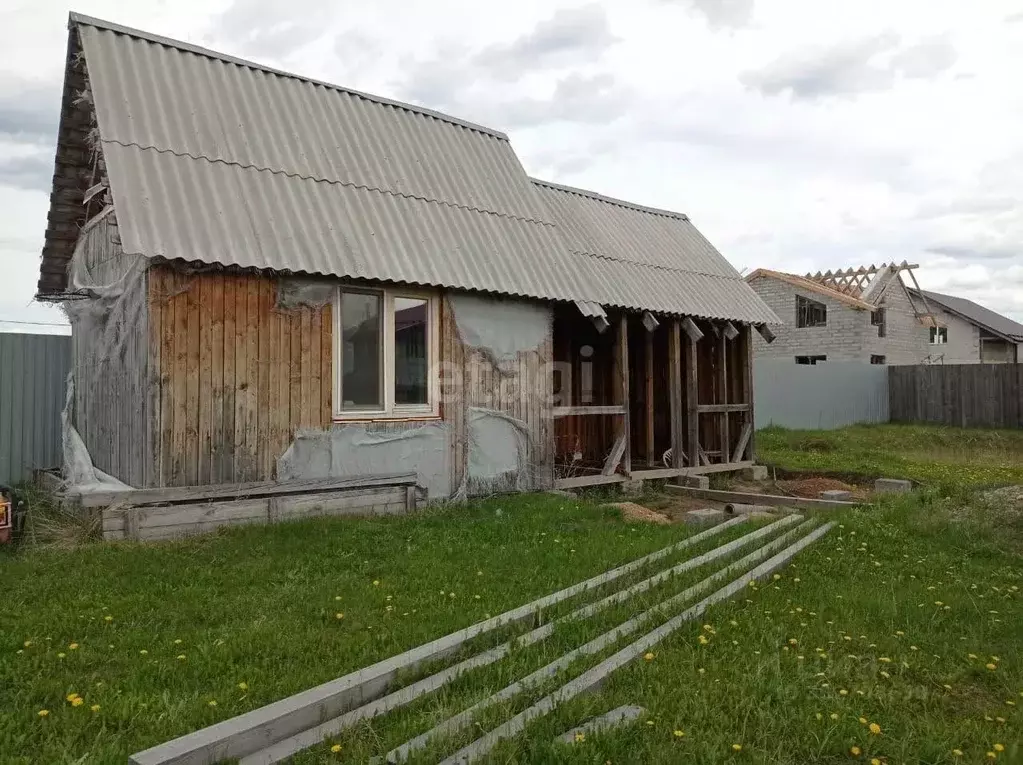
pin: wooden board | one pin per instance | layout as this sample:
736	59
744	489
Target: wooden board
800	503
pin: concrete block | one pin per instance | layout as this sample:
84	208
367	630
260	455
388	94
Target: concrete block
892	486
632	488
705	515
619	716
755	473
695	481
838	494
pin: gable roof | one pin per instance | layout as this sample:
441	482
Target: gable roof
217	160
649	259
810	285
977	314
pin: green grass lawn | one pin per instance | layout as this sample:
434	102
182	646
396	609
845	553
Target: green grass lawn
930	454
912	607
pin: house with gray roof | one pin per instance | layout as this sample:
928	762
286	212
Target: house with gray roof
871	315
273	278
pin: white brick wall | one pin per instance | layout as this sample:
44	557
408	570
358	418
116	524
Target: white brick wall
849	335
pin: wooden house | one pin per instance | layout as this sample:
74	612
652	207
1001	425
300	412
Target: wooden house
274	279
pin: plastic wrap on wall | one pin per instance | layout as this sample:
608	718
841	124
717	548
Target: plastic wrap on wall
294	293
499	457
365	449
80	475
500	329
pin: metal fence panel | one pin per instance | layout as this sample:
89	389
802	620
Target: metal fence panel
819	397
33	375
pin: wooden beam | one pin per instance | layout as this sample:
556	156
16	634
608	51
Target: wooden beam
692	330
181	494
653	475
579	411
744	438
648	425
719	467
730	331
721	408
800	503
678	438
723	430
650	321
622	386
588	480
748	393
704	459
617	453
766	333
692	403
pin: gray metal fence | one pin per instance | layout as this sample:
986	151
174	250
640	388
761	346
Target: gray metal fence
33	375
819	397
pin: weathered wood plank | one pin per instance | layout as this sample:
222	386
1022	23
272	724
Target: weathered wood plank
622	396
678	433
267	445
241	373
616	454
179	392
744	438
692	403
723	430
648	379
760	499
204	382
218	434
578	411
579	482
180	494
722	408
746	381
250	285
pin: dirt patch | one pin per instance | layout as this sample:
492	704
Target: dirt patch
811	487
633	512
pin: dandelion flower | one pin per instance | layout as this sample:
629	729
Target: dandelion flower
108	618
77	701
61	655
957	752
992	756
875	729
212	702
991	666
648	656
863	721
73	646
580	737
776	577
1000	719
376	582
793	641
947	687
738	747
971	656
43	712
339	615
336	748
843	692
885	659
899	633
998	747
819	716
678	733
833	715
703	639
913	648
875	761
94	708
855	751
143	652
243	686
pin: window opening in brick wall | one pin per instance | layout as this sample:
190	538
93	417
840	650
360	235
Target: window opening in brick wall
811	360
939	335
810	313
874	359
877	319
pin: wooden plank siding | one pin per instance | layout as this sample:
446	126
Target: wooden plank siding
234	376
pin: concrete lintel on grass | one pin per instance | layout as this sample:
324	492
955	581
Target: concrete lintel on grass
614	718
748	498
595	676
892	486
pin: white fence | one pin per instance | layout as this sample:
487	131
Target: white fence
819	397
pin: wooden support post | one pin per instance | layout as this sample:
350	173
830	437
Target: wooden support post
622	390
648	429
678	438
692	401
722	384
747	392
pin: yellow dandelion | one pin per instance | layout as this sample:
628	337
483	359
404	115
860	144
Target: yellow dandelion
843	692
971	656
738	747
376	582
61	655
991	666
863	721
143	652
580	737
855	751
703	639
900	633
992	756
833	715
875	729
793	641
819	716
957	752
776	577
339	615
1000	719
649	722
875	761
678	733
43	712
885	659
913	648
28	644
947	687
181	657
336	748
73	646
108	618
77	702
94	708
177	642
1010	703
243	686
212	702
71	696
998	747
648	656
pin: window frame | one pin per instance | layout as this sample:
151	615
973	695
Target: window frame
936	333
876	359
811	305
389	410
811	360
879	319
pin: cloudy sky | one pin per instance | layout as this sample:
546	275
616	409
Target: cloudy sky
798	134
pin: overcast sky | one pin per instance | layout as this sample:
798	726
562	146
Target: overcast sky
797	134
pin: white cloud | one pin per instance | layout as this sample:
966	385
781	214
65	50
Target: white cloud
798	135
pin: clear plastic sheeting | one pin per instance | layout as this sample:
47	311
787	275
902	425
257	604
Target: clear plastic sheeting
80	475
295	293
500	329
365	449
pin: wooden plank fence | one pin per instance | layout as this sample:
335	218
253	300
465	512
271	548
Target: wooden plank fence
961	395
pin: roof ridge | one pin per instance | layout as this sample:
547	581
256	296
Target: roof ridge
661	267
611	200
812	284
314	179
75	18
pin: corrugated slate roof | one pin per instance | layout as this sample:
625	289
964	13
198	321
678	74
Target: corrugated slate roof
647	259
978	314
219	160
